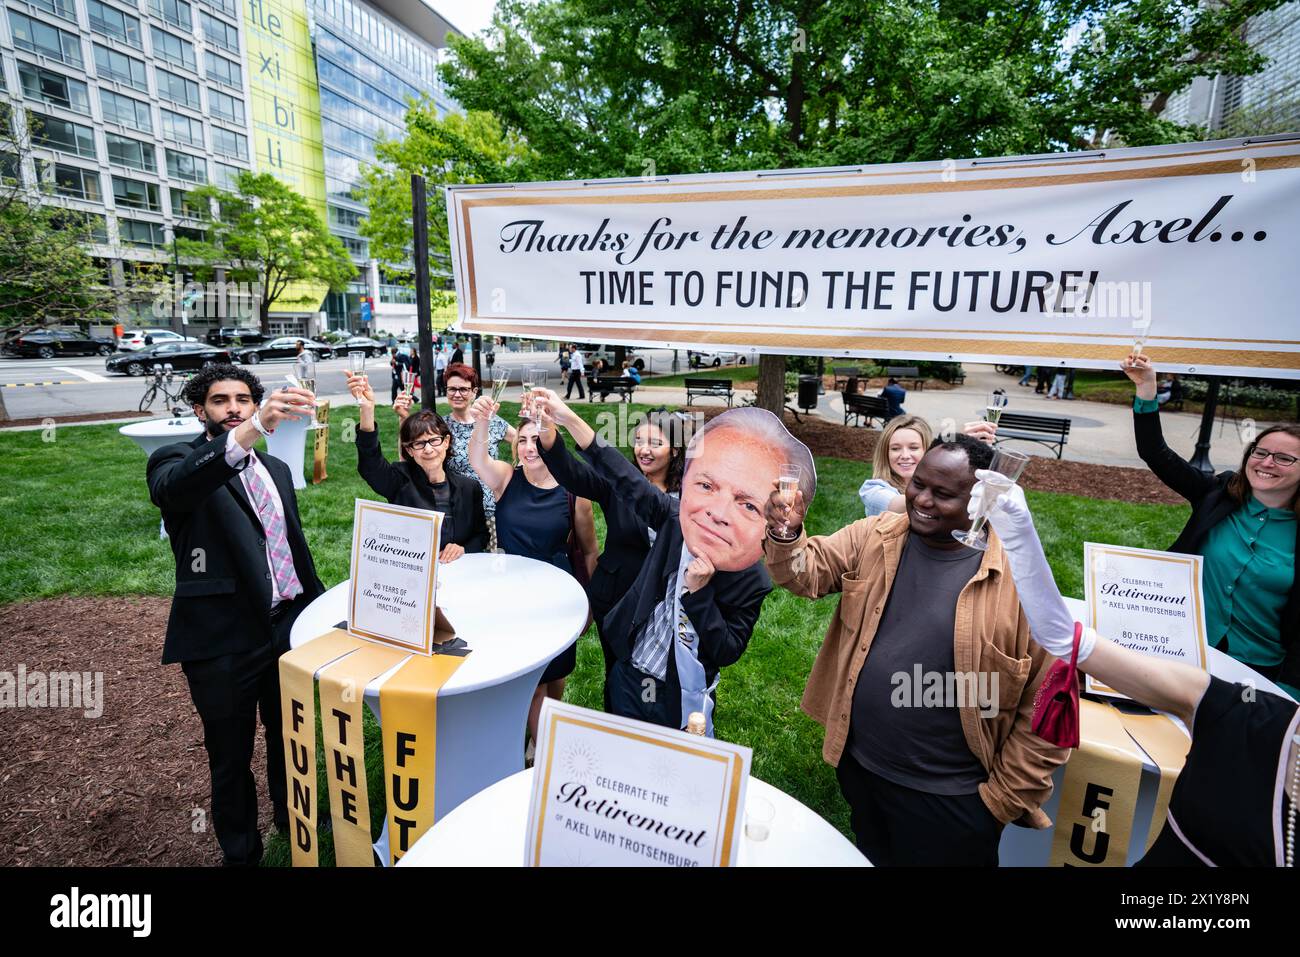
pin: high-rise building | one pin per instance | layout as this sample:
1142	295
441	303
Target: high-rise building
134	102
1270	97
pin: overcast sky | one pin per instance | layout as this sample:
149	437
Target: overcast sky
468	16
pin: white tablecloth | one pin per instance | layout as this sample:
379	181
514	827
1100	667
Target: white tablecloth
516	614
156	433
488	831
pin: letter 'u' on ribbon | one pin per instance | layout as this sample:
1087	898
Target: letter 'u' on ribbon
408	701
298	669
342	704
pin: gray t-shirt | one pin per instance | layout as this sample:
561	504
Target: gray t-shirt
916	745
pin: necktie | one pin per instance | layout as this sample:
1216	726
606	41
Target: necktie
286	580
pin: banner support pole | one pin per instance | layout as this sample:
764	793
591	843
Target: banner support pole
424	333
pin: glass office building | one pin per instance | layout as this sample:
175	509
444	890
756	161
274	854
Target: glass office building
131	103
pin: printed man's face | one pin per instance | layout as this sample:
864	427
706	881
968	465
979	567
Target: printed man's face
729	477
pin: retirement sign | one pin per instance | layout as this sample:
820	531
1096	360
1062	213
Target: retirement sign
613	792
1063	259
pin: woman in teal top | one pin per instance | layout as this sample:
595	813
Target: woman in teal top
1244	525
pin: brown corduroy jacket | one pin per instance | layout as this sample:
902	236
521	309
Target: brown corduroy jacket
990	635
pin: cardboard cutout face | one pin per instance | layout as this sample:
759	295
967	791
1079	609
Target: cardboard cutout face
729	474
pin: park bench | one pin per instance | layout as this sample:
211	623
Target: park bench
708	388
1049	430
911	373
843	374
605	384
866	407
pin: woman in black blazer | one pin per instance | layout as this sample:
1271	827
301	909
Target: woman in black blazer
659	451
419	480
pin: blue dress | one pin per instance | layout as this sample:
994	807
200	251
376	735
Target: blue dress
534	522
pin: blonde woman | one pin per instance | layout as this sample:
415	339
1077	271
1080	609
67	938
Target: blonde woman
902	445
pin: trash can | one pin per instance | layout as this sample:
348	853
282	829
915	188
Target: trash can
808	386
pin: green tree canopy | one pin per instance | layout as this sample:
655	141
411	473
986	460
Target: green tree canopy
263	232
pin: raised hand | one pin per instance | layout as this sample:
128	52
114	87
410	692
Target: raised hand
784	513
553	407
984	431
290	403
403	405
1139	369
359	386
483	409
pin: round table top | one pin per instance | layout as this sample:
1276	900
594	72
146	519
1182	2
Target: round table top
175	429
488	830
516	614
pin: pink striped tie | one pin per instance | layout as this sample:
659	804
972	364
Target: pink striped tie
286	580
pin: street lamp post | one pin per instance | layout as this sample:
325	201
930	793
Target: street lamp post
178	308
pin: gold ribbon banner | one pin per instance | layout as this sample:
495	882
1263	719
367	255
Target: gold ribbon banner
298	669
342	704
321	443
408	703
1167	747
1099	793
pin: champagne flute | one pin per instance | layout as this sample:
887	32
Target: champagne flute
1141	332
408	381
759	814
526	400
787	484
304	367
356	362
500	382
997	402
1004	471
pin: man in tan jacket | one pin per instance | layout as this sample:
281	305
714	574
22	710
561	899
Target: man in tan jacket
926	678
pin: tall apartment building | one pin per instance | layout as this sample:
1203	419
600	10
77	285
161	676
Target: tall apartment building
1271	96
135	102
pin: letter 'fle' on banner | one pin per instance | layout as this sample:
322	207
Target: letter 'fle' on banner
1066	259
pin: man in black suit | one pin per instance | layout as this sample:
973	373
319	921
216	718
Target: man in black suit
693	606
243	573
457	354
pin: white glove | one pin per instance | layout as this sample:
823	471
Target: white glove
1050	621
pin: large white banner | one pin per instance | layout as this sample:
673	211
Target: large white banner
1060	259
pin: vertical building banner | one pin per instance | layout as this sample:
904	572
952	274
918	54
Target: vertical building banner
287	139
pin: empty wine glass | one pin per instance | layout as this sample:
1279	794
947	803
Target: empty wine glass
356	362
1004	471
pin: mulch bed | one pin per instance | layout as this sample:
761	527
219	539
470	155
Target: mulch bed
76	417
119	789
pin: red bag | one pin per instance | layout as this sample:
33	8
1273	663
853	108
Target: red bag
1056	706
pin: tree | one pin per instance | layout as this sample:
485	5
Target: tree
46	274
468	148
603	88
264	233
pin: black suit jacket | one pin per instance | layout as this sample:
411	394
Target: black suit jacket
405	483
222	603
627	538
1211	504
723	612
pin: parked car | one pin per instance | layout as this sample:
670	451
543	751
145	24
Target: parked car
696	360
134	339
234	335
371	347
50	343
180	355
286	347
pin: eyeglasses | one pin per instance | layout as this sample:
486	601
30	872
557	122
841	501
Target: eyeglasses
1281	458
458	390
434	443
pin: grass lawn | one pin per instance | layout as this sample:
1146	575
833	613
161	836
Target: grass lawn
745	373
84	493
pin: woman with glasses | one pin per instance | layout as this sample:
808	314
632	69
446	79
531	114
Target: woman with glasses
1244	525
538	519
421	479
462	389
